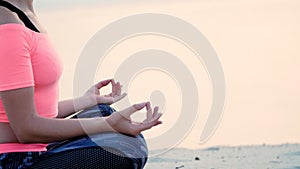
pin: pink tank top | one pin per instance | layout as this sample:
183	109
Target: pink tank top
27	58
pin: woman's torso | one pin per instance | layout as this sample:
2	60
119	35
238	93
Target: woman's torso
6	18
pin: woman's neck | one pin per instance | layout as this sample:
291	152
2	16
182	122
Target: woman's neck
24	5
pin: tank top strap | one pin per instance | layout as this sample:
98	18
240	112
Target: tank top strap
23	17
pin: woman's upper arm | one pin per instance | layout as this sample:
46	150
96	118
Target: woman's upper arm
16	77
15	61
19	107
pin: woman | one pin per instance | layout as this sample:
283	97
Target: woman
30	114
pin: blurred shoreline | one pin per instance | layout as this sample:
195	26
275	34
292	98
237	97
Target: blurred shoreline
282	156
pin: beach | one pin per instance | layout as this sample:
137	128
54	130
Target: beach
257	43
283	156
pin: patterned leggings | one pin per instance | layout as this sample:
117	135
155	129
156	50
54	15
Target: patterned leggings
17	160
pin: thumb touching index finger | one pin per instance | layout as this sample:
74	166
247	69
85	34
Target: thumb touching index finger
132	109
103	83
139	106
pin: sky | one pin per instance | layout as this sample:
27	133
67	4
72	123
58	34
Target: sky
257	44
48	4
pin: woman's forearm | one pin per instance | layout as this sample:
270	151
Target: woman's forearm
45	130
30	127
70	106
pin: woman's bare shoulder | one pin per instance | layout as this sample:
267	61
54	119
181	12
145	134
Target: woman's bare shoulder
6	16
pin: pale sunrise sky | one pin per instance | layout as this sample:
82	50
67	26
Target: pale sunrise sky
257	43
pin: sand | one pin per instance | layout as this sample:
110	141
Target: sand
284	156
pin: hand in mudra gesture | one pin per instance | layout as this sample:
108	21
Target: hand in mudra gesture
121	122
116	94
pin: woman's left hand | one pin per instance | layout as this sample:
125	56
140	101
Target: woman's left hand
114	96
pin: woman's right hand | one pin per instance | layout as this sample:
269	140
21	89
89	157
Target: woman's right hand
121	121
